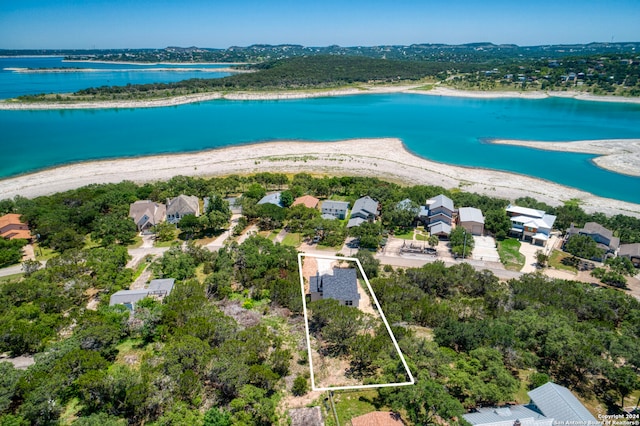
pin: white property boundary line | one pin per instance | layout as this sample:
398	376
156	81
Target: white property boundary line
384	319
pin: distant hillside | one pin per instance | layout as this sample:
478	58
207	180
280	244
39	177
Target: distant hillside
472	52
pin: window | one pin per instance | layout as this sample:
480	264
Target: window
348	302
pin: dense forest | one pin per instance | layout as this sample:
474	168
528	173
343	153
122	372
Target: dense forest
227	346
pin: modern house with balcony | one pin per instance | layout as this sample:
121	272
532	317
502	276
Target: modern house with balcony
530	224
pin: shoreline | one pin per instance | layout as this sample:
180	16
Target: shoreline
90	70
386	158
9	104
154	63
616	155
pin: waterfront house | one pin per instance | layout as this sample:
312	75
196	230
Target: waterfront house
602	236
530	224
337	209
471	219
341	284
146	214
181	206
437	215
365	208
549	405
307	201
157	289
11	228
632	252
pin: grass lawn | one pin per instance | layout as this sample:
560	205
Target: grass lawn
292	239
350	404
9	278
510	255
137	242
555	261
43	253
166	243
408	235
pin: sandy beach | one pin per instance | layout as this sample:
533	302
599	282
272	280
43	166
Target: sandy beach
618	155
384	158
10	104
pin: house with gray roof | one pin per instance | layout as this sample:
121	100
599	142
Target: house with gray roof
471	219
365	208
530	224
158	289
632	252
602	236
146	214
437	215
181	206
340	284
337	209
550	405
272	199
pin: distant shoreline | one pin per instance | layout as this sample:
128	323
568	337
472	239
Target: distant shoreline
617	155
385	158
10	104
154	63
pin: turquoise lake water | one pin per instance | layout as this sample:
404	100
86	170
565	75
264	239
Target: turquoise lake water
445	129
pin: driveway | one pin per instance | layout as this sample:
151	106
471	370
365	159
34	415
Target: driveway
485	249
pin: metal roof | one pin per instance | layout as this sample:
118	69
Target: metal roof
559	403
356	221
470	214
440	201
526	211
336	205
271	199
440	228
494	415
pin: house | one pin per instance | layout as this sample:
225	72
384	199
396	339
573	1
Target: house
158	289
471	219
12	228
307	201
550	405
530	224
146	214
632	252
378	418
337	209
181	206
341	284
365	208
437	215
601	235
272	199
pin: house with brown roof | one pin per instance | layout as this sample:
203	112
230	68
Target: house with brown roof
378	418
181	206
12	228
147	214
307	201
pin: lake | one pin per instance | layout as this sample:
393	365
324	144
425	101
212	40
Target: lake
445	129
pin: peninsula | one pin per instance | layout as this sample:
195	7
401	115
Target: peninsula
386	158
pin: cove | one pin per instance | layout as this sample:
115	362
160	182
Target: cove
444	129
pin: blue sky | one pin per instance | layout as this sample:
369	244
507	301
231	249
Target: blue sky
84	24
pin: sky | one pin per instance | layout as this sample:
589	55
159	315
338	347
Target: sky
103	24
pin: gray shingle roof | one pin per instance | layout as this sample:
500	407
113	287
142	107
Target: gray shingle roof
356	221
341	286
559	403
183	205
631	250
145	212
365	207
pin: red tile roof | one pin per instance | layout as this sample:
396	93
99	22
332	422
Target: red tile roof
307	201
378	418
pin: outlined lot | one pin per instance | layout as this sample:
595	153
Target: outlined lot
349	340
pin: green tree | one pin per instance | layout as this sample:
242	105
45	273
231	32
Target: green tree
497	222
583	246
217	417
461	242
190	224
541	258
300	386
114	229
165	231
9	377
286	198
370	264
